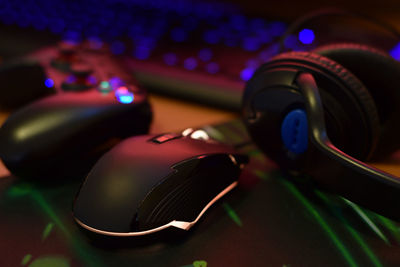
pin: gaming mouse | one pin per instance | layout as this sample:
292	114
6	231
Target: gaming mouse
148	183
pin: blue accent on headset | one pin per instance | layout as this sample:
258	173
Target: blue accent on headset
294	131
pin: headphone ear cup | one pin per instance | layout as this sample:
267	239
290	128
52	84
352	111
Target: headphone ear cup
350	113
380	73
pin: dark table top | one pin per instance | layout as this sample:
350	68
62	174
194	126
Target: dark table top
266	221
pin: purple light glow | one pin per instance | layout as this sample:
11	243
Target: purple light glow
190	63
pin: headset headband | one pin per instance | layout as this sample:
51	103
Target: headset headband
341	173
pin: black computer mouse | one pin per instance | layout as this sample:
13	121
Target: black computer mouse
147	184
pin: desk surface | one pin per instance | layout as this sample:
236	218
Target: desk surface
265	221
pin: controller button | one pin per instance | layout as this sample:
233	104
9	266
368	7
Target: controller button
80	79
104	87
116	82
123	95
67	48
49	83
81	70
66	56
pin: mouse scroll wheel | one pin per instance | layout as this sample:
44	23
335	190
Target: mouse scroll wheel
159	139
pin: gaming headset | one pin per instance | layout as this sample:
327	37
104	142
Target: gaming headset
323	113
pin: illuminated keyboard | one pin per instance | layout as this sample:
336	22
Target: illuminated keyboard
198	51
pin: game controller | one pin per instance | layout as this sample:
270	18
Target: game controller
94	104
22	81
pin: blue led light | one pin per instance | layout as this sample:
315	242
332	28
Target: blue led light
95	43
252	63
190	63
125	99
251	43
170	59
91	80
212	67
231	41
124	96
71	79
277	28
142	52
23	22
49	83
211	37
8	18
40	23
291	42
58	25
92	30
71	36
191	23
205	54
267	53
306	36
145	41
257	23
116	82
117	47
246	73
238	22
264	35
179	35
395	51
135	30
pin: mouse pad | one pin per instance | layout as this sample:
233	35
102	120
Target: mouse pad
267	220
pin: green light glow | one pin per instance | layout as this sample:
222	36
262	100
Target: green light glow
254	153
367	220
105	85
49	211
345	253
354	233
90	261
390	225
19	190
26	189
47	230
262	175
364	246
232	134
199	264
214	133
232	214
26	259
50	261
